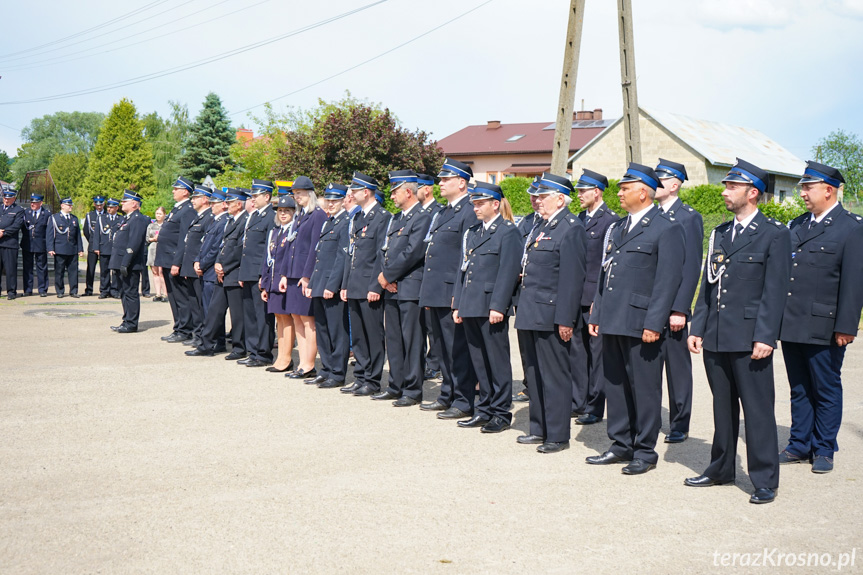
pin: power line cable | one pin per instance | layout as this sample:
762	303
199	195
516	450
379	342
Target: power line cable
196	64
88	30
60	59
363	63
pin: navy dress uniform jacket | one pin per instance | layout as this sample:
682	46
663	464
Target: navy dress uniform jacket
64	236
211	245
90	222
827	278
756	275
11	222
255	243
693	233
130	243
194	240
169	248
641	296
231	252
595	230
493	259
34	238
553	278
443	253
102	238
362	268
402	262
330	255
300	260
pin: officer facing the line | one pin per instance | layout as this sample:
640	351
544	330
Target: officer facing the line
821	315
129	259
736	321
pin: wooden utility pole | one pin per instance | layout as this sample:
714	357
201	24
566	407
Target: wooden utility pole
627	82
566	100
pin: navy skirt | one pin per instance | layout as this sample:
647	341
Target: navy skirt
293	301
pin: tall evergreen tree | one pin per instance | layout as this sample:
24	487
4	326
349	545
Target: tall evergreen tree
5	170
209	142
122	157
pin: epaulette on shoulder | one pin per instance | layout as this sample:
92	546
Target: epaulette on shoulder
855	217
775	222
570	218
688	208
725	225
508	223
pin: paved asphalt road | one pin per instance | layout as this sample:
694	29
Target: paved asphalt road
121	455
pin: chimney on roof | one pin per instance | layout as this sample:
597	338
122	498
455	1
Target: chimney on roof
587	115
597	114
493	125
244	134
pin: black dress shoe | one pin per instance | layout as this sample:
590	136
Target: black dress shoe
273	369
676	437
385	394
198	352
453	413
553	446
115	327
530	439
169	336
405	401
235	355
763	495
606	458
10	296
220	349
245	360
638	467
329	384
43	295
193	342
351	388
126	329
315	380
365	391
521	397
103	296
434	406
300	374
588	419
74	295
496	425
786	456
177	338
704	481
475	421
257	363
61	295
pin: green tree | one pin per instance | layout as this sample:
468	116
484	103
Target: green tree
5	164
257	158
122	157
338	138
843	150
166	136
515	191
706	199
207	147
68	172
53	134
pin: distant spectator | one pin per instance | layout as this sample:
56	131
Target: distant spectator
152	238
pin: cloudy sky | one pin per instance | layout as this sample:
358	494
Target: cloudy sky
790	68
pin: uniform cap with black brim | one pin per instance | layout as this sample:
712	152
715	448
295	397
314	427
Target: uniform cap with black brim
550	183
747	173
335	191
590	179
640	173
361	181
816	172
185	184
455	169
400	177
484	191
668	169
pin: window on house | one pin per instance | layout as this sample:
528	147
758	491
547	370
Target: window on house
782	195
492	178
515	138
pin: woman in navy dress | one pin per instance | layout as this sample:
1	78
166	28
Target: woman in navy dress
272	288
296	271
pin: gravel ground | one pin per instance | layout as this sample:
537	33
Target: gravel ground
121	455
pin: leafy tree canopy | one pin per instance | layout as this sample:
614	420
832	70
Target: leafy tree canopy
69	172
166	136
53	134
5	166
207	147
844	151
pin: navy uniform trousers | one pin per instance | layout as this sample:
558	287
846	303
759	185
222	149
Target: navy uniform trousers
404	347
588	391
9	266
331	327
90	275
213	333
39	260
131	299
488	345
109	280
678	375
367	340
64	264
459	379
549	384
633	385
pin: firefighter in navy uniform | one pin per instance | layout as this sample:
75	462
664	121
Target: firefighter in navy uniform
34	246
102	240
736	321
91	221
205	265
588	392
193	241
442	262
549	308
821	315
259	325
11	222
678	361
491	263
169	256
65	245
325	283
401	276
639	280
431	346
360	287
129	259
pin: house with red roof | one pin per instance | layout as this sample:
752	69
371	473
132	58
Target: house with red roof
496	151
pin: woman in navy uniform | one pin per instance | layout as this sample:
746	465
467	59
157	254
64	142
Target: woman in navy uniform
129	259
191	251
272	289
491	255
325	283
64	243
821	315
736	321
34	246
549	305
296	269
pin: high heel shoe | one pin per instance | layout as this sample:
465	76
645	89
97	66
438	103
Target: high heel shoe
274	369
